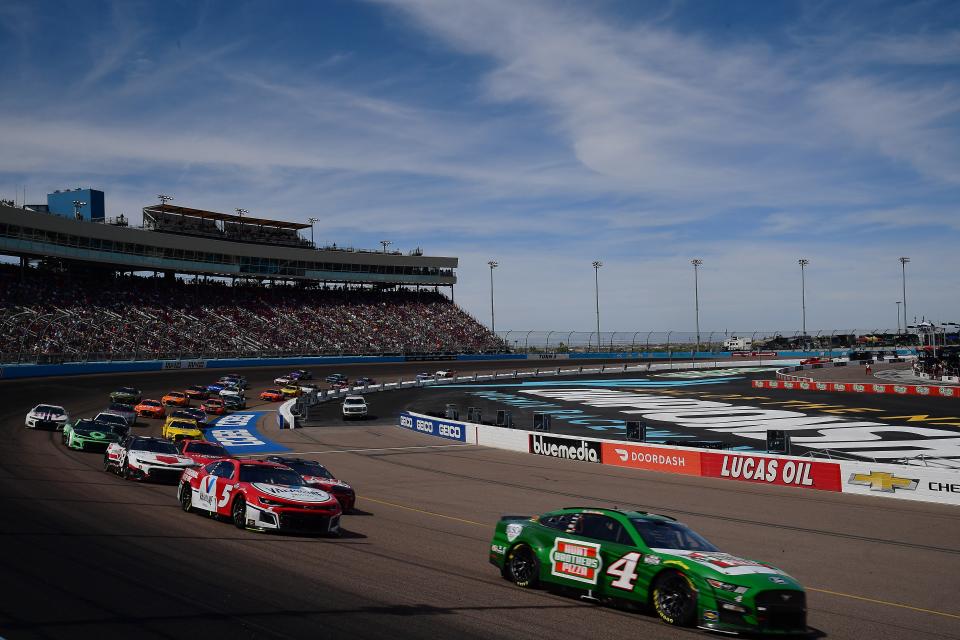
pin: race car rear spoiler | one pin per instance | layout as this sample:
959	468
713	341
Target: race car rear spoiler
508	518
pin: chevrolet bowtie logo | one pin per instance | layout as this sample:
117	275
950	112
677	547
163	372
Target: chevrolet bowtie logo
882	481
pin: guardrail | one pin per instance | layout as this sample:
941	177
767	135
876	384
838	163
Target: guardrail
839	476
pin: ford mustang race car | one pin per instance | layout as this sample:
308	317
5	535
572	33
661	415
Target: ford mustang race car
232	390
336	377
213	406
177	429
650	559
238	381
86	435
117	423
176	399
271	395
364	381
202	452
301	374
150	409
197	392
290	391
126	395
146	458
319	477
234	403
259	495
123	410
47	416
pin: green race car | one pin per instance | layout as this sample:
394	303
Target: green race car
126	395
652	560
89	435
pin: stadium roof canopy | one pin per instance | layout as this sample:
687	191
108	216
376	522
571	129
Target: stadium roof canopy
224	217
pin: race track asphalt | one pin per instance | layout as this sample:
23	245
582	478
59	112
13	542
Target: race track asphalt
89	555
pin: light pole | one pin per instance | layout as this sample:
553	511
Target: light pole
803	262
312	221
493	264
385	243
696	262
903	267
898	316
240	212
164	200
596	289
77	205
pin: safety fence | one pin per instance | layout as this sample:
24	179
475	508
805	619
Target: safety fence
905	482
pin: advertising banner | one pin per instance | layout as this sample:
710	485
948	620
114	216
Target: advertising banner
434	427
935	391
566	448
184	364
621	454
901	481
782	471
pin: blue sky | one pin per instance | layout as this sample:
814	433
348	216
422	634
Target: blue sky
544	135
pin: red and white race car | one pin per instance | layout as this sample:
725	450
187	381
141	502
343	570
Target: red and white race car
259	495
816	360
146	458
318	476
203	452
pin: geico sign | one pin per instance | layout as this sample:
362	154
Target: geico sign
572	449
406	421
450	431
424	425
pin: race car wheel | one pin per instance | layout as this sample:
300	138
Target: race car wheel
63	437
674	599
239	513
106	463
185	492
522	567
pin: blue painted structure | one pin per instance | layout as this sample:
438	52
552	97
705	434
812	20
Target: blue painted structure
61	203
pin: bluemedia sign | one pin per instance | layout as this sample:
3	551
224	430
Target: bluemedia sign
434	427
238	433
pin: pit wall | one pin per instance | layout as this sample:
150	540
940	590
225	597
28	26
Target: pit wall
905	482
14	371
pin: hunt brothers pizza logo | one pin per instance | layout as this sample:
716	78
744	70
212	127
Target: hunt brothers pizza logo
575	560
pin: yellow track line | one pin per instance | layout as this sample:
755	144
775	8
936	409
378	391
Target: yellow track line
885	603
826	591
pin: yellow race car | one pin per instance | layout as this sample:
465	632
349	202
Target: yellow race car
290	391
177	429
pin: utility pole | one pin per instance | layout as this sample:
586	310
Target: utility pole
903	266
493	264
385	243
803	296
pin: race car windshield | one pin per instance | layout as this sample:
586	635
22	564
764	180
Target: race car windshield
660	534
206	449
119	406
269	475
155	446
128	390
45	408
310	469
110	419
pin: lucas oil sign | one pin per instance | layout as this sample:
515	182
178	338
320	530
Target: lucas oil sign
434	427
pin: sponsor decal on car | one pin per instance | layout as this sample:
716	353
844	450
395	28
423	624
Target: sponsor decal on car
498	549
575	560
883	481
513	531
296	494
566	448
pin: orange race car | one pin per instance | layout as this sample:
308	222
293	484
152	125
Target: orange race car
176	399
272	395
150	409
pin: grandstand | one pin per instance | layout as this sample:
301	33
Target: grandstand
222	286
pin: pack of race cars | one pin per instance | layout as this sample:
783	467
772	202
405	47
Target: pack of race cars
609	554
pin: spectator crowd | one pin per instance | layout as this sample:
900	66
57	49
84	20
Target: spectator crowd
939	363
58	317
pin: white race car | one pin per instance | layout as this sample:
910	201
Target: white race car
282	380
442	374
233	390
146	458
47	416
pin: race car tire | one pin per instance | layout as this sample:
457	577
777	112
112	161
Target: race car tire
674	599
238	513
63	437
106	463
185	498
125	472
521	567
